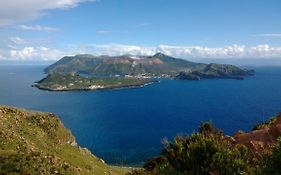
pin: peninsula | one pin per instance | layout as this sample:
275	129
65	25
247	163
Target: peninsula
73	81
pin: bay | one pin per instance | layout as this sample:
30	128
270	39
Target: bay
126	126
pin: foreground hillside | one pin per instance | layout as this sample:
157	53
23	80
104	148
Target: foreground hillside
210	152
38	143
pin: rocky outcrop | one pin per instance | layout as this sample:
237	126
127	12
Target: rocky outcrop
260	141
187	76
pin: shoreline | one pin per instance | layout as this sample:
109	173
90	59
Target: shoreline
129	86
132	86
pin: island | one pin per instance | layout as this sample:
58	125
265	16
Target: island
88	72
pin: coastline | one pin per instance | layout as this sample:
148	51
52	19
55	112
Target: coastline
129	86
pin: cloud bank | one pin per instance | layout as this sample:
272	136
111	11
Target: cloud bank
35	54
20	49
13	11
234	51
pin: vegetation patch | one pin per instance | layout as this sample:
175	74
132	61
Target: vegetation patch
38	143
210	152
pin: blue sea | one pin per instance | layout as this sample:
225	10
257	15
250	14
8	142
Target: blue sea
126	126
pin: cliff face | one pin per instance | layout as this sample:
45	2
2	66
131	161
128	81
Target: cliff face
261	140
38	143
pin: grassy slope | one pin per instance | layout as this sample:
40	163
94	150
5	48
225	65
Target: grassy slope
38	143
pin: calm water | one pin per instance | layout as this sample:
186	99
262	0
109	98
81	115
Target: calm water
126	126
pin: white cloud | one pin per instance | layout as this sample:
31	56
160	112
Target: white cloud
17	50
276	35
118	49
18	40
35	53
38	28
101	32
234	51
13	11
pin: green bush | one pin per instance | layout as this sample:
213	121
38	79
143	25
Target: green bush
207	152
271	163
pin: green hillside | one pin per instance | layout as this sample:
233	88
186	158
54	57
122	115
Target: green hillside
38	143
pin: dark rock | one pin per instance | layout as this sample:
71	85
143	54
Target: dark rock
187	76
260	141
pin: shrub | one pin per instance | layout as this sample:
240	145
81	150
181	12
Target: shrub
271	163
207	152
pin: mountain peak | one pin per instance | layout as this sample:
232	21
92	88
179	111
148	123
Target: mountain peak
159	54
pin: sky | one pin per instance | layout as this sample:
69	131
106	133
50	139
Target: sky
46	30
